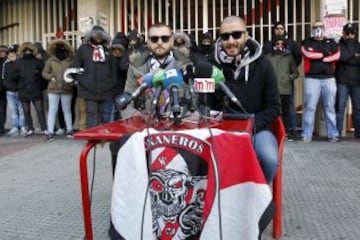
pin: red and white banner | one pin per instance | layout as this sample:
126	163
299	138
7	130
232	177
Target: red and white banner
195	183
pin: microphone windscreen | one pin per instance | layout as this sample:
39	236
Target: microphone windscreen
173	77
203	70
158	78
217	75
148	79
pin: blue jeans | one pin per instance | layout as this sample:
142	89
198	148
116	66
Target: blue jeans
343	92
16	110
266	148
313	89
98	112
54	99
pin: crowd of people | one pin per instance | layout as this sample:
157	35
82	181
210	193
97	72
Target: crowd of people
113	65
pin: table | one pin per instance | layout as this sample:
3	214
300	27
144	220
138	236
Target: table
114	130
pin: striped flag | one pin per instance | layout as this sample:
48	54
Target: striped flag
197	186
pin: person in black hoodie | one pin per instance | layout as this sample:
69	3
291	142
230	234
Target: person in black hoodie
96	85
3	55
119	66
12	95
347	78
31	85
206	45
252	79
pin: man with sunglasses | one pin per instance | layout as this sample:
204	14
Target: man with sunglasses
320	55
252	79
347	78
158	55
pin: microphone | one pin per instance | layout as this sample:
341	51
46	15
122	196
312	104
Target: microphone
188	74
70	72
125	98
173	81
206	70
157	82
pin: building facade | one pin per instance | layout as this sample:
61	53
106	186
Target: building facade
42	20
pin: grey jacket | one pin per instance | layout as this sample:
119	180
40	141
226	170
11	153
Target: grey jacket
140	66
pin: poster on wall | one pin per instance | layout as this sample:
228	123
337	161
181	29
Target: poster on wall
334	17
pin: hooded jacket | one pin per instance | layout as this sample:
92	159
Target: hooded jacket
188	48
206	50
96	83
285	68
254	84
54	68
348	67
28	73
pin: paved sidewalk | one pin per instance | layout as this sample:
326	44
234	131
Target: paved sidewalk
40	190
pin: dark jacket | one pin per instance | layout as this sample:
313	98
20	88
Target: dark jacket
96	83
348	67
255	87
320	57
119	64
10	77
2	82
28	73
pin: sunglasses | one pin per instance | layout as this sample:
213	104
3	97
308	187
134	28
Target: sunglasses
350	32
235	35
155	39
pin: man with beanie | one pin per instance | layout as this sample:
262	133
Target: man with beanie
320	55
286	72
3	57
294	49
347	78
96	85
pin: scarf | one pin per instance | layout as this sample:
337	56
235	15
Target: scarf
155	63
221	57
98	53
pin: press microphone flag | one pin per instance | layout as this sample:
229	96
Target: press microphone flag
207	70
157	81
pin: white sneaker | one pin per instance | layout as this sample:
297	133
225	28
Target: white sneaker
13	132
23	131
60	131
